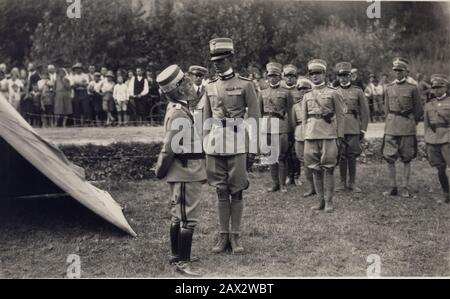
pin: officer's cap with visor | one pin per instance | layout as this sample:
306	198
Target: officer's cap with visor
343	68
170	78
290	69
317	65
220	48
197	70
274	68
400	64
439	80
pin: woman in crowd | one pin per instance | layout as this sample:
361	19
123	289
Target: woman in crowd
63	97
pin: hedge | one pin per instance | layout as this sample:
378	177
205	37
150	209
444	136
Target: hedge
134	161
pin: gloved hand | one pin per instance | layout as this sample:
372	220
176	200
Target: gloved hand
341	142
327	117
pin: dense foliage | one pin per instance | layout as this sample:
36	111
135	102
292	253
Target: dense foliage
120	33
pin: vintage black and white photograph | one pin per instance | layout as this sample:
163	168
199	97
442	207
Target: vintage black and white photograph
224	139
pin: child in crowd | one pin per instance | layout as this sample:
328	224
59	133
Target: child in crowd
45	86
121	98
106	90
35	96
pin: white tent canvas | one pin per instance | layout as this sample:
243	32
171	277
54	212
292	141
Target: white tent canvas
17	138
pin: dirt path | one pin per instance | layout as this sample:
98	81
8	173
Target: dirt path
106	136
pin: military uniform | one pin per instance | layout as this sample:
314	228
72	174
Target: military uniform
196	98
275	104
323	121
356	120
403	112
303	85
293	163
227	99
183	168
437	132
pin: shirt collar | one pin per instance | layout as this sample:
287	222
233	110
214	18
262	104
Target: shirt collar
400	81
318	86
346	85
442	97
227	75
274	85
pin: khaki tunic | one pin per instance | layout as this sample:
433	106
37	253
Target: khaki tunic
275	100
401	97
355	102
169	165
317	102
228	99
297	114
437	112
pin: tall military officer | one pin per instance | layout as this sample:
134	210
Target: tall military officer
275	102
403	112
293	164
437	130
356	120
303	86
181	166
226	100
323	131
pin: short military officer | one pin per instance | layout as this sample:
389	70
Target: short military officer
356	120
226	100
293	164
323	129
437	130
403	112
275	102
182	166
303	86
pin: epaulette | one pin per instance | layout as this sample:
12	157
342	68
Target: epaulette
389	84
213	80
244	78
356	86
332	87
178	106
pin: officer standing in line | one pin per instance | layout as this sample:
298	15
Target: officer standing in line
227	99
356	120
182	167
437	130
275	102
293	164
303	86
403	112
323	131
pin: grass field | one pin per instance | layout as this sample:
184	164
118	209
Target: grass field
281	235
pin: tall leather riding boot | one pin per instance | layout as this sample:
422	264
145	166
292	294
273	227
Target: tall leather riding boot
174	242
318	185
310	181
275	178
329	190
224	212
185	245
352	172
237	209
393	191
343	164
282	174
405	184
443	179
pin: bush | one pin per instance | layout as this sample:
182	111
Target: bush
134	161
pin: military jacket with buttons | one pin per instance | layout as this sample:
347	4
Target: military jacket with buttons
275	102
170	164
231	100
402	98
356	109
322	100
437	113
297	113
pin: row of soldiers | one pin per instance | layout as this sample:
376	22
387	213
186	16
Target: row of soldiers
324	125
